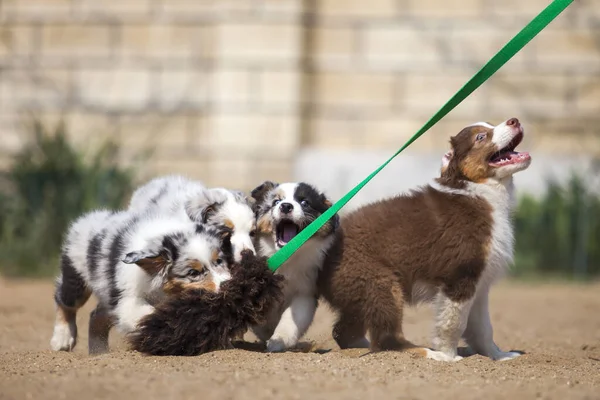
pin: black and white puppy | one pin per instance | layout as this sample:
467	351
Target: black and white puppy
171	254
282	211
227	210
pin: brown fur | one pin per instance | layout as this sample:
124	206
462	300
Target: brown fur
152	265
176	287
428	236
264	224
198	321
469	160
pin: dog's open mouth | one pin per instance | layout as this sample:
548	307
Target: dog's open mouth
286	231
508	155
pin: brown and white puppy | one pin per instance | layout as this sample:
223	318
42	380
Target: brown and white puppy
282	211
445	243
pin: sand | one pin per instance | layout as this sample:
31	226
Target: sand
557	325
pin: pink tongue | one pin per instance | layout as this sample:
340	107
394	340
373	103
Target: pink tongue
289	231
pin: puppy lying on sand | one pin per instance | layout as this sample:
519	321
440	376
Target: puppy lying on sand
197	321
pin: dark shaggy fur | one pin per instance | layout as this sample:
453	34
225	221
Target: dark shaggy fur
197	321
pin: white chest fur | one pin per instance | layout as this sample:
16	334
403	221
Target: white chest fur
302	268
499	195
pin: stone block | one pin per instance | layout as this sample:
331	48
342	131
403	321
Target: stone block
540	94
510	8
16	41
86	129
274	170
116	9
280	89
355	89
478	41
193	168
358	8
188	7
36	9
424	94
159	136
281	7
75	40
334	45
400	45
230	172
161	41
115	89
567	47
183	89
587	100
392	131
445	8
331	133
255	134
34	89
257	44
232	86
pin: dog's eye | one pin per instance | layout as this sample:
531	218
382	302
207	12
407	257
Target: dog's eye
480	137
194	273
253	233
275	202
304	203
219	261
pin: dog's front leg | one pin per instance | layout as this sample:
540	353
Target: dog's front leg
451	322
479	334
294	323
130	311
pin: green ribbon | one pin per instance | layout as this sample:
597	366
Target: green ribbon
493	65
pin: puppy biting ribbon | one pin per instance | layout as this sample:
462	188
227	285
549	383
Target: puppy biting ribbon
196	321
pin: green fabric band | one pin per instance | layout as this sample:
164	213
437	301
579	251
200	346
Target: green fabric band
489	69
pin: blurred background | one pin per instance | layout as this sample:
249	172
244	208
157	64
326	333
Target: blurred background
97	97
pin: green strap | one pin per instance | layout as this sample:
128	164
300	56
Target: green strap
489	69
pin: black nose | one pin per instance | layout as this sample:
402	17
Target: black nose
247	253
286	208
512	121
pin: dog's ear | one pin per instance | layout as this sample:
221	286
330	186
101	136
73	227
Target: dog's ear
446	159
201	208
259	192
151	261
240	196
335	220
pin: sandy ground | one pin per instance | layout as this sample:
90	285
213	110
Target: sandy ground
557	325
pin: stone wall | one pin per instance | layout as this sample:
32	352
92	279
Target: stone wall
230	91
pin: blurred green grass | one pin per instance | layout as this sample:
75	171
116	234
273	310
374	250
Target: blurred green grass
51	183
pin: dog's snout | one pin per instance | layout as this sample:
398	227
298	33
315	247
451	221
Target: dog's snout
513	122
247	253
286	208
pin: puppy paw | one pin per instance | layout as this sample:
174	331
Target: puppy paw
504	356
362	343
62	340
275	345
439	356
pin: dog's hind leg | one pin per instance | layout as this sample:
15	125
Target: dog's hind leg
100	324
349	331
71	294
383	310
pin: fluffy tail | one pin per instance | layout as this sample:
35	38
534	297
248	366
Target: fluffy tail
197	321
